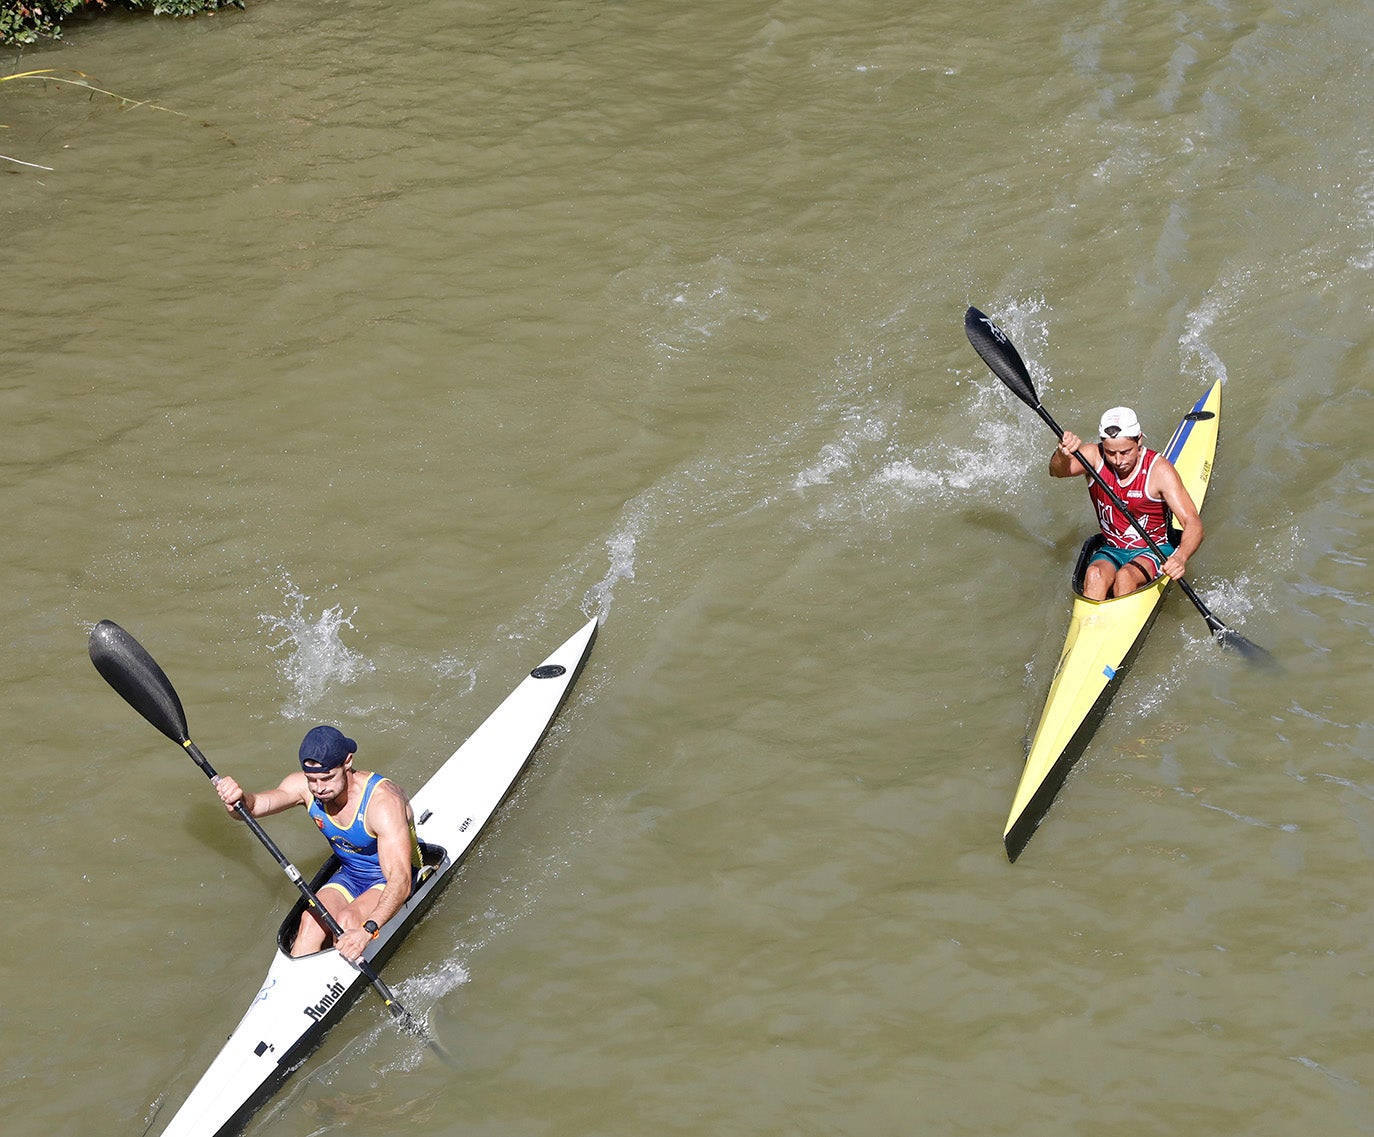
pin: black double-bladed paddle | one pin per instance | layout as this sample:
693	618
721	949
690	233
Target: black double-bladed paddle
135	675
998	352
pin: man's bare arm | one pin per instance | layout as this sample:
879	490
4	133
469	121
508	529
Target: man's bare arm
264	803
1169	486
388	816
1064	463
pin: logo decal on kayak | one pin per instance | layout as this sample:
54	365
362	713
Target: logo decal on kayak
317	1011
548	671
266	987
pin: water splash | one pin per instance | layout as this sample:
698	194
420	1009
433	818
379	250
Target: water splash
864	472
870	469
1199	358
451	667
316	656
1327	1072
702	301
620	547
1363	257
839	457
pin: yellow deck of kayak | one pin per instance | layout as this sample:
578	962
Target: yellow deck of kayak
1102	639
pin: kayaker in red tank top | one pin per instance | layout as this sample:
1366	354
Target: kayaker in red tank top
1133	490
1148	483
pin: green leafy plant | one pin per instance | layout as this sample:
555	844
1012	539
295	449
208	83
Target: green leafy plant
27	21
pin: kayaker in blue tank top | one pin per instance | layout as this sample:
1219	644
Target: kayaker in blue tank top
370	826
355	845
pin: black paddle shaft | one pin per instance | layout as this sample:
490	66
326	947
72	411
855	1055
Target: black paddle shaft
998	352
136	676
990	342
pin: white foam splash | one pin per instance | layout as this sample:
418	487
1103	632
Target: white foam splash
620	548
866	473
872	470
1339	1079
692	310
317	658
1364	258
1199	358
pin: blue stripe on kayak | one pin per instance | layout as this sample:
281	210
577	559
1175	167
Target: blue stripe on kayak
1185	428
1109	671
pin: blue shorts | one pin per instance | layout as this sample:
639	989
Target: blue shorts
1122	557
353	884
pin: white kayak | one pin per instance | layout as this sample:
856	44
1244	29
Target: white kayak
301	999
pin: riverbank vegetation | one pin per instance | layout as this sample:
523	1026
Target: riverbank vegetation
27	21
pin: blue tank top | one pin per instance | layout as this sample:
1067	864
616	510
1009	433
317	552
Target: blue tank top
355	847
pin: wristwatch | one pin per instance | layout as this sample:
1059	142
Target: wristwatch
371	928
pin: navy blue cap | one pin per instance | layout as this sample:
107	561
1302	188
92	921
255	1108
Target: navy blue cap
324	748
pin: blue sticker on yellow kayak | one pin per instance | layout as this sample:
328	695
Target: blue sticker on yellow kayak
1109	671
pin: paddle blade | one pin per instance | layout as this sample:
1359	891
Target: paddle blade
141	683
1252	652
998	352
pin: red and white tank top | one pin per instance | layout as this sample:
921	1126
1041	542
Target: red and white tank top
1151	512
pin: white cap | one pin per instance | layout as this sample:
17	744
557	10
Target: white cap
1118	421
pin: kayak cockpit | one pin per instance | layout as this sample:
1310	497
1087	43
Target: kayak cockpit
1085	554
431	857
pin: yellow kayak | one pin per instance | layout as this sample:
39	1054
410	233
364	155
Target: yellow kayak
1103	638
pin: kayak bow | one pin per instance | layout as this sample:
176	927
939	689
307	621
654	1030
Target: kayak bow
1103	639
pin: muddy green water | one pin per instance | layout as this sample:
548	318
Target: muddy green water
409	334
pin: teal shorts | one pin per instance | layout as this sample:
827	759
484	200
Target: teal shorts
1122	557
